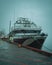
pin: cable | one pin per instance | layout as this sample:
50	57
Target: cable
47	48
44	46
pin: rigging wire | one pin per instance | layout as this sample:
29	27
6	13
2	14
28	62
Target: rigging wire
44	46
47	48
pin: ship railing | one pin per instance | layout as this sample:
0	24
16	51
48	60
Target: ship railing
30	36
26	28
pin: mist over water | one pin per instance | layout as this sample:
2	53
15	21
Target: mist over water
39	11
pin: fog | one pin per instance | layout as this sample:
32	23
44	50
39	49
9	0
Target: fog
38	11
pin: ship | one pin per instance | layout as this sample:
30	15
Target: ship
27	33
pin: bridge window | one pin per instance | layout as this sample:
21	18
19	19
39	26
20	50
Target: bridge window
25	31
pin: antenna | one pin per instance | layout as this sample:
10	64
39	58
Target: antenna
14	14
14	18
10	26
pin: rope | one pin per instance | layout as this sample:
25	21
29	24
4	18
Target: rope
48	48
44	46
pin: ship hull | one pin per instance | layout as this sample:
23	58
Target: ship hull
36	43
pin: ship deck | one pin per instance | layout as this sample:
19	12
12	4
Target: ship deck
10	54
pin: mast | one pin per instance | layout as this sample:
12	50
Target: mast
9	27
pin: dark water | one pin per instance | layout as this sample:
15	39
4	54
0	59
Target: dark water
10	54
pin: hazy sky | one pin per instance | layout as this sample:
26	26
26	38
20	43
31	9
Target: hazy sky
39	11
